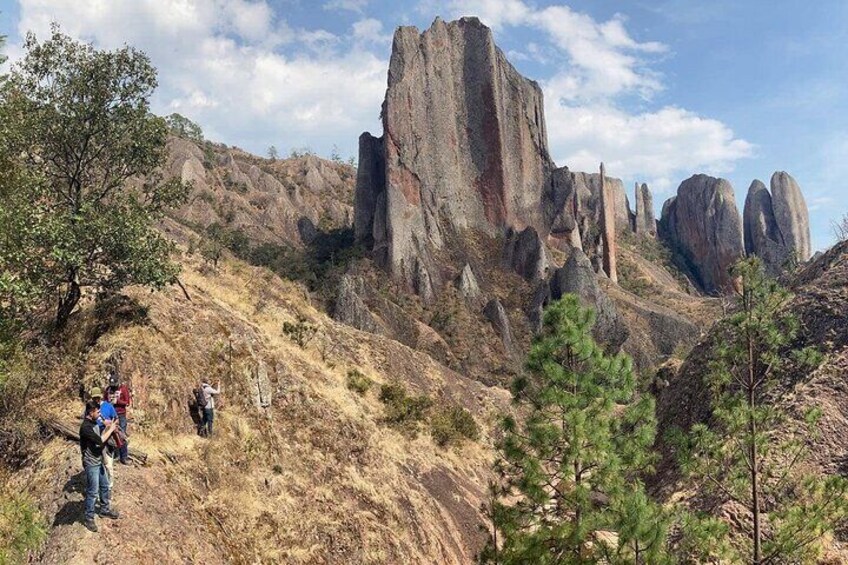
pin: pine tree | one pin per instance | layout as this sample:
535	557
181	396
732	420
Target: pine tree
748	456
570	491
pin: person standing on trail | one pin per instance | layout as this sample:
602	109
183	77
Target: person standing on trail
209	395
91	447
120	395
107	416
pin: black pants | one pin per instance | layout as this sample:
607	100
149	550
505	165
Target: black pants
208	418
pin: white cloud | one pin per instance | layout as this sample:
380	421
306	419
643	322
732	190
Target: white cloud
370	30
247	77
357	6
650	146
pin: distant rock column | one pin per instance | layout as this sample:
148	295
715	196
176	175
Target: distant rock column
608	228
645	222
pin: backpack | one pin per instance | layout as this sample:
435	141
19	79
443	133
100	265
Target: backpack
200	397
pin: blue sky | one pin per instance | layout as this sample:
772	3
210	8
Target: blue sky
659	90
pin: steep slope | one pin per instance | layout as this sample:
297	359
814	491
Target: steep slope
821	304
301	469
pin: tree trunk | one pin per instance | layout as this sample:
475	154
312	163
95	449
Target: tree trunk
67	304
752	430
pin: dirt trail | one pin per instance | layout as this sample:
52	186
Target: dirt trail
154	525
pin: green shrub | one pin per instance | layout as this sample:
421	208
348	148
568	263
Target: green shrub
452	424
301	332
22	529
358	382
402	410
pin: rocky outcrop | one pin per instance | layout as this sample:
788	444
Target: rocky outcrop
276	202
608	228
574	209
790	213
524	253
350	309
468	286
496	314
645	222
578	277
776	225
464	148
702	223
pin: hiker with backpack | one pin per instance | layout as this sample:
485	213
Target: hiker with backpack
92	442
206	402
120	395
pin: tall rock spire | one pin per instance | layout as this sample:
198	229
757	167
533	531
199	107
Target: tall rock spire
608	227
464	148
646	224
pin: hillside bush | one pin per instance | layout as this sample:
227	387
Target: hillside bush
358	382
301	331
452	424
402	410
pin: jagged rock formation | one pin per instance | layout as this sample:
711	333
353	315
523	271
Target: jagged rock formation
776	225
608	229
645	223
488	135
702	223
762	236
578	277
574	207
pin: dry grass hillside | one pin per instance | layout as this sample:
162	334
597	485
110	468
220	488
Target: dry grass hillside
302	469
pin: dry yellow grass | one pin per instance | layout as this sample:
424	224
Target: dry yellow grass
312	478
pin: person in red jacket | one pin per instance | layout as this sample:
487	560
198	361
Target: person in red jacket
120	395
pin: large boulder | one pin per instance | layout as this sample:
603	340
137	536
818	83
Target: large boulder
578	277
702	223
790	213
464	148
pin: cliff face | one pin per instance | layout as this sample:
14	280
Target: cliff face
464	148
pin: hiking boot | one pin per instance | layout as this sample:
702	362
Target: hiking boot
109	513
125	461
90	525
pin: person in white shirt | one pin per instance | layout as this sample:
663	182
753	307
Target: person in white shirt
209	394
